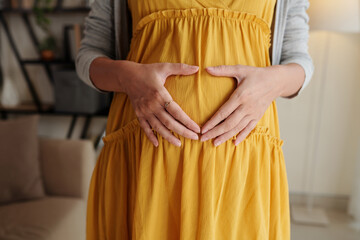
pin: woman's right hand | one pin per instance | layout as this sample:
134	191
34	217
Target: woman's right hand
144	85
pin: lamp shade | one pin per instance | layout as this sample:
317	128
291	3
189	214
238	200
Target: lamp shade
335	15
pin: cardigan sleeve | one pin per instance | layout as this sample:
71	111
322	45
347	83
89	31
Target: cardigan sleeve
98	39
295	41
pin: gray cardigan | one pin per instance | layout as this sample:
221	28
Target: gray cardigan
107	34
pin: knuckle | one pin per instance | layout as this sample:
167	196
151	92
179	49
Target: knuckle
240	127
243	96
182	66
176	114
149	133
238	95
163	68
167	123
246	94
156	127
142	109
227	125
222	68
240	108
222	114
182	132
138	112
157	95
146	106
232	123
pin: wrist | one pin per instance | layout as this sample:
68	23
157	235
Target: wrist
289	80
124	72
117	72
277	73
103	74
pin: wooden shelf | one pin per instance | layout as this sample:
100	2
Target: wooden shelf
48	109
53	62
37	107
25	107
55	10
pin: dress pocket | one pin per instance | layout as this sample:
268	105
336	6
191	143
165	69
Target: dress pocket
123	132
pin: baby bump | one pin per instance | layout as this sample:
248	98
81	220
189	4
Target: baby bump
200	95
202	41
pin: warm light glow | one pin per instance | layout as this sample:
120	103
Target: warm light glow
335	15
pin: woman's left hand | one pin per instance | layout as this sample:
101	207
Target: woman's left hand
256	88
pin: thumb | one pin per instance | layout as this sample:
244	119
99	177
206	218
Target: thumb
223	70
180	69
227	71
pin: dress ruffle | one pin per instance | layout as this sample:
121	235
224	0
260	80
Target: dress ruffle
224	14
122	133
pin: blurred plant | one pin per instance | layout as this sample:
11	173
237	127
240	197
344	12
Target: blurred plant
48	43
40	8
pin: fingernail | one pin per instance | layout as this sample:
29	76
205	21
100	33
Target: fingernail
198	129
211	68
178	143
216	143
203	139
194	136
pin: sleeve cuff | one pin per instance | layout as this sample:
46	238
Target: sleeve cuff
83	68
308	69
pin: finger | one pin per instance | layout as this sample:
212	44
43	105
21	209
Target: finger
148	131
179	69
231	122
175	126
235	71
245	132
224	70
163	131
176	111
222	113
226	136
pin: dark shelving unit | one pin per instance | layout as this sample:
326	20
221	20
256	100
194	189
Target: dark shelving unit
36	106
55	10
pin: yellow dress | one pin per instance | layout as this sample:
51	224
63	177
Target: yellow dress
196	191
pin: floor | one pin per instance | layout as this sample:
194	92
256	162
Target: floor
338	229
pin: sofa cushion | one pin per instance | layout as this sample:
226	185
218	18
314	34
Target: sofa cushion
49	218
20	172
66	166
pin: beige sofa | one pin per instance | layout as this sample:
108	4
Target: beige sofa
66	166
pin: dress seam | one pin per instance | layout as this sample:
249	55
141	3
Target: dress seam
204	12
259	130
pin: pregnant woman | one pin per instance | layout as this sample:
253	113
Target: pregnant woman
192	149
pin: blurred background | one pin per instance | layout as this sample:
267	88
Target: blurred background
52	124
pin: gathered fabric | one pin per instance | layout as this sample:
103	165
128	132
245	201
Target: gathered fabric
196	191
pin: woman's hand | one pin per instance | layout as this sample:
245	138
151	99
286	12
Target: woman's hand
256	88
144	85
